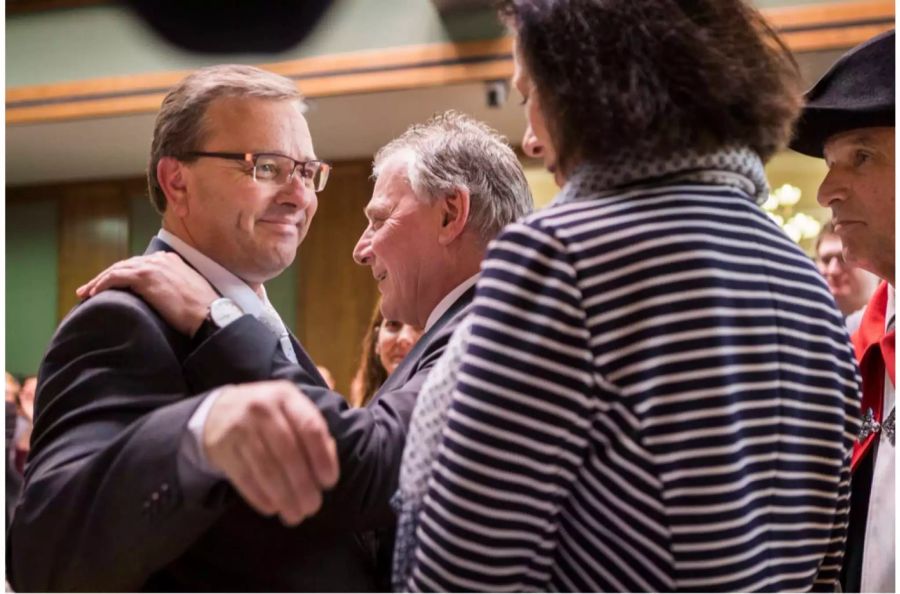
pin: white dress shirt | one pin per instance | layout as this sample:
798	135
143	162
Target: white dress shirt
448	300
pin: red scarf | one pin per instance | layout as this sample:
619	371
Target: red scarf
875	353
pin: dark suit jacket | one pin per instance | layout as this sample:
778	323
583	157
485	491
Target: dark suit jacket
107	505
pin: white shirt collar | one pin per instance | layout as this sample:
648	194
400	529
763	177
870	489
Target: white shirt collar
448	300
224	281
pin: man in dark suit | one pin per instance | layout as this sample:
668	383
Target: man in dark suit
146	473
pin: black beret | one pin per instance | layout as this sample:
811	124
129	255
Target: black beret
857	92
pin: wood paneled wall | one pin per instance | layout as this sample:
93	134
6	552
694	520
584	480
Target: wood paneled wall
336	295
93	233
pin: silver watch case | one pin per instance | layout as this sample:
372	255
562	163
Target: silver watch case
224	311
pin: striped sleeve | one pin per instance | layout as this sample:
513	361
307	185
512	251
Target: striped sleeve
828	577
517	428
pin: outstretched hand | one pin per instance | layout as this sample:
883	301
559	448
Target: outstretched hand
176	291
273	444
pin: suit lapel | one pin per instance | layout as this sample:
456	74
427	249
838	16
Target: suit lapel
158	245
409	365
305	361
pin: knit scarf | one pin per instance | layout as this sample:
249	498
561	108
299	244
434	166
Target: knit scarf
737	167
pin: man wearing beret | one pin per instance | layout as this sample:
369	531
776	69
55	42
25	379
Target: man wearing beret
849	121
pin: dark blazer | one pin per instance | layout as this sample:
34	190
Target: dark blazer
106	504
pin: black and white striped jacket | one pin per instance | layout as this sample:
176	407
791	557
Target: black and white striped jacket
658	395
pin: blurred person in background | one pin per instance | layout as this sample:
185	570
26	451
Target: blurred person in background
26	397
656	392
851	286
13	478
12	408
384	346
12	387
24	423
849	121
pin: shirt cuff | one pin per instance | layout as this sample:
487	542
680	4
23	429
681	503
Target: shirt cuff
191	451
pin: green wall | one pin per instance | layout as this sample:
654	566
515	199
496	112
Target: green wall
31	272
282	292
143	223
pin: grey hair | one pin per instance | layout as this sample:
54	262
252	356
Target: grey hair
452	150
179	126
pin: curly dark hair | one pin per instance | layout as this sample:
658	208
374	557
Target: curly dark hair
651	77
371	374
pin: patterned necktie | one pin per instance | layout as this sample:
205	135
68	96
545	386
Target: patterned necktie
270	318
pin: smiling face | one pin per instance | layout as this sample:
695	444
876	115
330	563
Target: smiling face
401	245
859	189
251	228
395	340
536	142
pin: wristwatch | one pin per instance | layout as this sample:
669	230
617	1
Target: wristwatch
222	312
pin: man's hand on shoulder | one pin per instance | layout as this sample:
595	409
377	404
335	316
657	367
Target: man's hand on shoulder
273	444
175	290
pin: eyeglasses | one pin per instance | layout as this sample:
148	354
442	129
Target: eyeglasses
275	169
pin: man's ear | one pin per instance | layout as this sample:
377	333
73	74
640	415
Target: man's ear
454	215
172	176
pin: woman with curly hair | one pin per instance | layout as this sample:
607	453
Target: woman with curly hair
654	391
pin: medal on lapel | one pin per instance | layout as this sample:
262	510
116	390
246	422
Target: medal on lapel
870	426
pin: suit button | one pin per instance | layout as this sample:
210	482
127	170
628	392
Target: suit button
155	496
